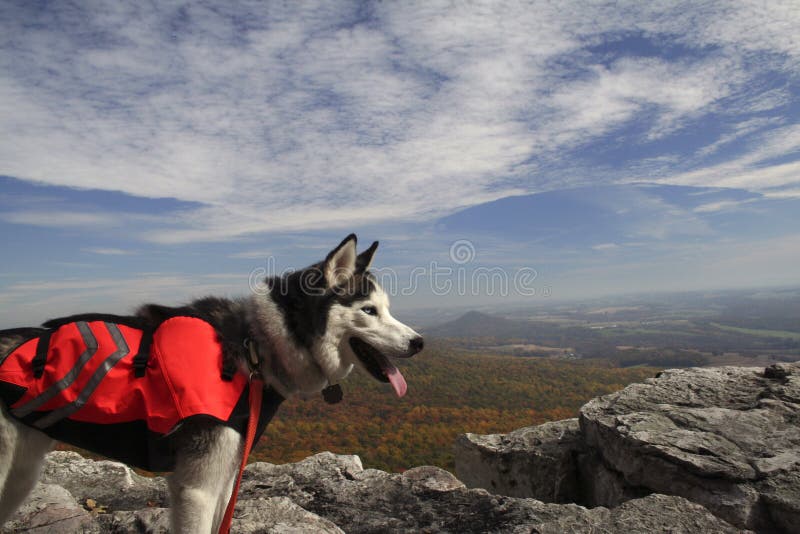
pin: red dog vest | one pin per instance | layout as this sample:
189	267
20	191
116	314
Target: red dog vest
80	385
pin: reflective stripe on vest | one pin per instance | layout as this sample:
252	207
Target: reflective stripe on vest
94	381
69	378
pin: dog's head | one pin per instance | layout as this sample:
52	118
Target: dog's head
338	313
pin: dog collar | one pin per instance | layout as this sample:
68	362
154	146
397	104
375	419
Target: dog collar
332	394
254	362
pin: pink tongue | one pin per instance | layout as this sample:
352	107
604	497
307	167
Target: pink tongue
397	380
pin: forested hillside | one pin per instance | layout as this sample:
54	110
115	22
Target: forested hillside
450	392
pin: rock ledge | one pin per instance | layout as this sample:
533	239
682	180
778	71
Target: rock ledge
726	438
327	493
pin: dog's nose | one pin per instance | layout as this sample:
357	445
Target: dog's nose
416	344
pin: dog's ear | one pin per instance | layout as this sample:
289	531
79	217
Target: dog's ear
340	264
364	260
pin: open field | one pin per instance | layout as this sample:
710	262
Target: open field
783	334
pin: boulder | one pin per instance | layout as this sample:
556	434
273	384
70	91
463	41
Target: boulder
726	438
536	462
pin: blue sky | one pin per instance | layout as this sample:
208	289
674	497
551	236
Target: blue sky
164	152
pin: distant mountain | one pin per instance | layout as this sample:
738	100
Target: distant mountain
476	324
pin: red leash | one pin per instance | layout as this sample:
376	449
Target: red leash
256	391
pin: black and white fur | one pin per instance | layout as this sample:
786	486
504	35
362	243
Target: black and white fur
310	329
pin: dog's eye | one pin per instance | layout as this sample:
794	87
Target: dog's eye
370	310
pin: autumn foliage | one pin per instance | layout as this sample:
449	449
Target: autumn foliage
450	392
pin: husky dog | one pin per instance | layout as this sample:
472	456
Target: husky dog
309	329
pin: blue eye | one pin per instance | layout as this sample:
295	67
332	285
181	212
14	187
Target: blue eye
370	310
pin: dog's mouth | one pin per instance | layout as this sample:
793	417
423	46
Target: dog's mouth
379	365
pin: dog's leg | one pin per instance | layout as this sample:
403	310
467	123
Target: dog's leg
207	459
22	450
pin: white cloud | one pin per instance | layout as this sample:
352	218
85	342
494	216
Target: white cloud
605	247
782	193
108	251
325	114
722	205
252	254
59	219
739	174
58	216
740	130
30	302
754	169
630	87
769	100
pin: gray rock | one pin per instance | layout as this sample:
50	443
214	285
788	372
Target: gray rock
50	508
662	513
536	462
428	499
602	486
654	513
432	478
333	494
727	438
277	515
150	520
111	484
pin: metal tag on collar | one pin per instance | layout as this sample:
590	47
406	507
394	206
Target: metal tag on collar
255	361
332	394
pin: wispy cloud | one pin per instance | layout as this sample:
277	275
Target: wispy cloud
740	130
287	117
32	301
782	193
59	219
605	247
759	167
108	251
61	216
720	205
